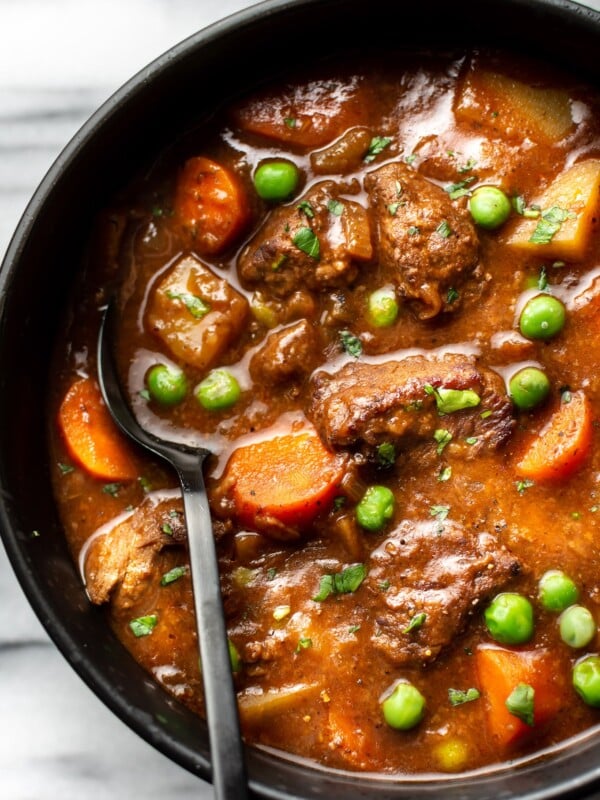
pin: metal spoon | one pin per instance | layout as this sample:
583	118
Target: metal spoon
227	756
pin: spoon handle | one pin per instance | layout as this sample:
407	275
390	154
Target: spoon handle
227	756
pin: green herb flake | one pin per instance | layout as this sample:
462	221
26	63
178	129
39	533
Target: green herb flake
444	229
549	225
345	582
522	486
173	575
566	396
411	158
303	644
145	395
65	469
145	484
306	240
335	207
377	145
542	283
452	295
457	696
353	628
351	344
416	622
487	413
576	515
290	122
468	166
471	440
520	703
443	437
439	512
197	307
449	401
413	230
384	585
339	503
518	204
271	573
279	261
112	489
445	474
143	626
393	208
460	189
305	208
167	529
386	454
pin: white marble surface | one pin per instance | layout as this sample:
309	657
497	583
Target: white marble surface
59	59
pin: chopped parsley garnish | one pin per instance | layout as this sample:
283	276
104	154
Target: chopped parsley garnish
457	696
306	240
335	207
542	283
351	343
468	166
377	145
65	468
197	307
393	208
271	573
549	225
416	622
339	502
143	626
471	440
344	582
386	454
413	230
112	489
456	190
353	628
145	395
384	585
173	575
279	261
487	413
145	484
443	438
445	474
167	529
305	207
518	204
411	158
566	396
452	295
444	229
520	703
290	122
523	485
303	644
450	400
439	512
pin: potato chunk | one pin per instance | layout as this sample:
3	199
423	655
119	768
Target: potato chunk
196	313
510	109
568	208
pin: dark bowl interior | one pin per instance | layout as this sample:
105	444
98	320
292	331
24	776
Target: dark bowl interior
167	97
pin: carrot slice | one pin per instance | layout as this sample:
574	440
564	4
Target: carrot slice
500	672
563	444
92	438
211	202
289	478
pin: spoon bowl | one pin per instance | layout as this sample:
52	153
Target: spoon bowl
227	756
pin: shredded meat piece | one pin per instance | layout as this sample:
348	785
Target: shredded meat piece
437	569
363	405
287	354
121	563
343	235
427	244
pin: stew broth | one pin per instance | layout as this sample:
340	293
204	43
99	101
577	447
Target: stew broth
368	330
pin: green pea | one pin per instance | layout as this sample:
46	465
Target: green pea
557	591
166	384
489	207
586	680
375	508
276	180
509	618
218	391
528	387
577	626
404	707
383	307
542	317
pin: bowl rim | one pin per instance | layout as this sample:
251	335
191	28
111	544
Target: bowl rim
258	13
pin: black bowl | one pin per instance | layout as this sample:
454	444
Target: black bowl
177	90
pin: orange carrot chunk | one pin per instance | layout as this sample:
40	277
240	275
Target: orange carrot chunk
563	444
92	438
290	478
211	203
500	672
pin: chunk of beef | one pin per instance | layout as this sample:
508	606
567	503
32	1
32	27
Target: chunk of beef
287	354
363	405
334	231
122	562
427	243
440	570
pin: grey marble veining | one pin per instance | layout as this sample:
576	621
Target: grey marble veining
59	60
